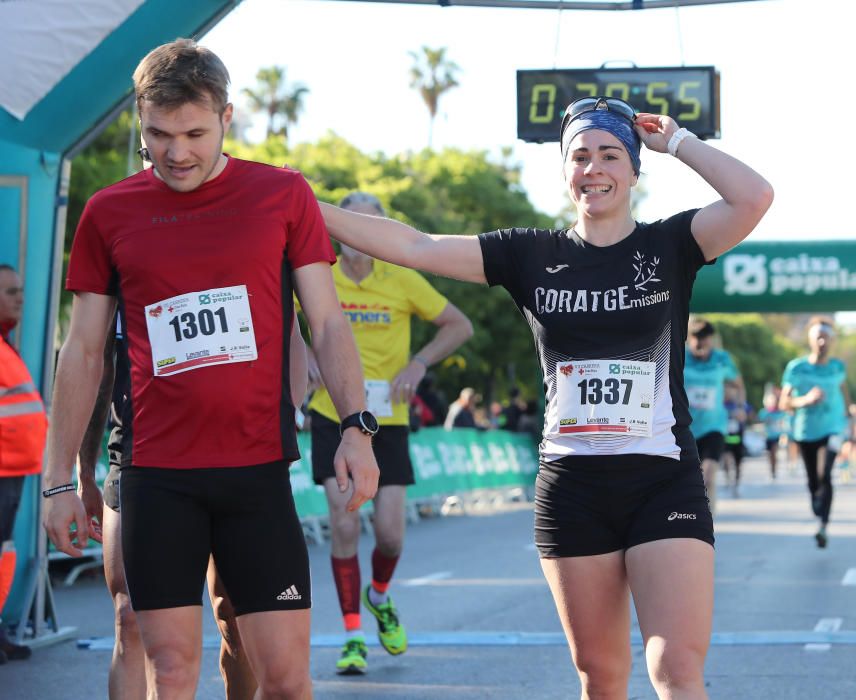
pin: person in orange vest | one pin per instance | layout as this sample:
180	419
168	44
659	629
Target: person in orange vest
23	425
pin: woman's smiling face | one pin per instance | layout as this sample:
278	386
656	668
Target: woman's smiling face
598	172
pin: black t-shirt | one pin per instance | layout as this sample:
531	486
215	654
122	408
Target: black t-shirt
627	301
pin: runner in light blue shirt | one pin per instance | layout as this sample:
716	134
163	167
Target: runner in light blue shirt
815	389
776	423
707	370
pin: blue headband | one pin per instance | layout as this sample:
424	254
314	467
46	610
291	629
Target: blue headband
608	121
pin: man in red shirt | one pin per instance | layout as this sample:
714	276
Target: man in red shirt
199	252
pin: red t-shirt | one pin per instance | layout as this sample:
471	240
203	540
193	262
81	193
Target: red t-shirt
144	242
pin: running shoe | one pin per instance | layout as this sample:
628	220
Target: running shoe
390	631
821	538
352	662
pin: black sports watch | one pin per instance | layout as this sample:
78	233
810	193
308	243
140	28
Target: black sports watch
364	420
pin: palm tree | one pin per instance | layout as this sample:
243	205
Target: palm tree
432	74
281	103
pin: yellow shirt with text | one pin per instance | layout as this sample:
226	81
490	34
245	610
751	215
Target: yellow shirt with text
379	309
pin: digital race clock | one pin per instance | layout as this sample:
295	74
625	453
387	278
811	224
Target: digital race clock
689	95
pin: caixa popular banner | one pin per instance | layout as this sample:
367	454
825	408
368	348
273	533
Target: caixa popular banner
793	276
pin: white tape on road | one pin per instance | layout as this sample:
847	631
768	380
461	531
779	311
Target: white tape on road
849	578
826	624
457	638
426	580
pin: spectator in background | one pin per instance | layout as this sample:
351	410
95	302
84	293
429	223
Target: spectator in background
739	413
512	412
462	412
775	425
23	426
433	399
496	418
531	421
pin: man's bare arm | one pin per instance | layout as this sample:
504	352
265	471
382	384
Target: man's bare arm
453	329
75	387
93	437
298	365
337	356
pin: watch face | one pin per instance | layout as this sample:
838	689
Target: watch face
369	421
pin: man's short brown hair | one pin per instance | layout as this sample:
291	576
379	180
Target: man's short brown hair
180	72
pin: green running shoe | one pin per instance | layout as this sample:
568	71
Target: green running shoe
390	631
352	662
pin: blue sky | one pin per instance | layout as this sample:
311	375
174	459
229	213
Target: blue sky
786	86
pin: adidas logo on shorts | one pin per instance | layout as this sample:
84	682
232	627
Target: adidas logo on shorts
681	516
290	593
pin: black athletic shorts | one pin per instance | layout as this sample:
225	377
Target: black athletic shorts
114	458
772	444
736	449
245	516
10	498
391	448
710	446
591	505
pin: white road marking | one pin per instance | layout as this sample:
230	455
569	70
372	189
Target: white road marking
813	639
849	578
825	624
425	580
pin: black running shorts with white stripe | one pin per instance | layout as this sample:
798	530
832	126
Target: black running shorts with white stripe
245	516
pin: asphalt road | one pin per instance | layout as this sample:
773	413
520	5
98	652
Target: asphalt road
482	623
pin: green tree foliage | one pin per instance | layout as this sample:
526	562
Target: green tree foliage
844	348
279	102
760	354
103	162
432	74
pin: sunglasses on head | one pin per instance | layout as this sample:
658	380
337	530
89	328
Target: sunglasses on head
591	104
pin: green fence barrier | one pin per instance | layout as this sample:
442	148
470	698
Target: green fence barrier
444	461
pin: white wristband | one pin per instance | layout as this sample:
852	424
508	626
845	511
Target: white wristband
675	141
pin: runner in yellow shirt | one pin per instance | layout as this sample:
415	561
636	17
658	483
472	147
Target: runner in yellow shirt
378	299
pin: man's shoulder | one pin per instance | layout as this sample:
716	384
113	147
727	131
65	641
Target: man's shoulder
838	364
798	364
722	356
120	189
395	276
280	174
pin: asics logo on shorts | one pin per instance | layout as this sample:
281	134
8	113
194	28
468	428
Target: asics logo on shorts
290	593
681	516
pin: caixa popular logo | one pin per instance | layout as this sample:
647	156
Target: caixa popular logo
745	274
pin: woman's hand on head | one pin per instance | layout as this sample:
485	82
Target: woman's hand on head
655	130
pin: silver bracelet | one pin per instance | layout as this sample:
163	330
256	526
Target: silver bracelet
420	359
675	141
